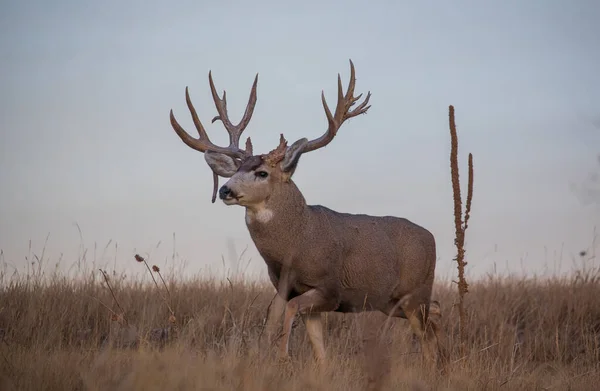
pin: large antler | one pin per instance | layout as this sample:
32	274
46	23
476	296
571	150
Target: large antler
342	111
203	143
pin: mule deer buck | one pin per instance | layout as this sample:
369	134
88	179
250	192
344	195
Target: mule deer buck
318	259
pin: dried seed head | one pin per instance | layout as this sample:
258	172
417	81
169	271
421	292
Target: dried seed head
155	269
139	258
172	319
276	155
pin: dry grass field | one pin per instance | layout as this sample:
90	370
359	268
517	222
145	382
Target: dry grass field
104	331
59	333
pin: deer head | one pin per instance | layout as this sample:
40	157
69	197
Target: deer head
253	177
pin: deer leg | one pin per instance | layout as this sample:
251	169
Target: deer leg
281	281
434	319
425	321
416	313
435	322
314	329
273	317
313	301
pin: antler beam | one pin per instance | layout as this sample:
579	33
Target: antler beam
342	111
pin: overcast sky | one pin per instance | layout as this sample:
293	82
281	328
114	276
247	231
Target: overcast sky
86	88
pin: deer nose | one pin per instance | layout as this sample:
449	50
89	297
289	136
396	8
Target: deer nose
224	191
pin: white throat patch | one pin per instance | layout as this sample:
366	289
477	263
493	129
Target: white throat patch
261	215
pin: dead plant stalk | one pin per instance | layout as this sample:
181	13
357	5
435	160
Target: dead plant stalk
141	259
460	225
117	317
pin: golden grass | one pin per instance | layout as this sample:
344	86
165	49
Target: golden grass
57	334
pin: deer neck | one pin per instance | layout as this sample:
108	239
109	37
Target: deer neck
286	205
275	224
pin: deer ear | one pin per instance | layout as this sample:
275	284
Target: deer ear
221	164
292	156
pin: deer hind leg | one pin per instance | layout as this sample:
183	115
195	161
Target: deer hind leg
435	323
425	320
309	305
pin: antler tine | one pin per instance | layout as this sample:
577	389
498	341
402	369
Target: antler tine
342	111
234	131
195	119
202	143
249	146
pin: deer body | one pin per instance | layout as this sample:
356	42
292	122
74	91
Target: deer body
363	262
319	259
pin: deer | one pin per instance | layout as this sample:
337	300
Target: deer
318	259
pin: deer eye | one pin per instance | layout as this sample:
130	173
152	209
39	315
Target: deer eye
262	174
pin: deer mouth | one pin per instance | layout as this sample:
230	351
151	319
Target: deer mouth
232	200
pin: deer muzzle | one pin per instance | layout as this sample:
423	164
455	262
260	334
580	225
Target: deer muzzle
225	193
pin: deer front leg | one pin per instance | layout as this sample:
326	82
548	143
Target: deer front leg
281	280
274	316
314	329
310	305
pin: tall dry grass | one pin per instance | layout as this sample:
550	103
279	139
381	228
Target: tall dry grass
59	334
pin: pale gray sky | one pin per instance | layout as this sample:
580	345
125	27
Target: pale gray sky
86	89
